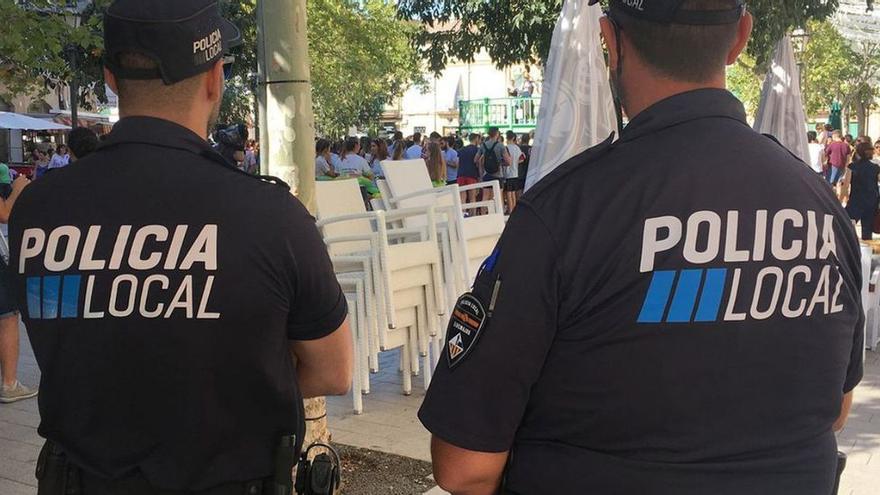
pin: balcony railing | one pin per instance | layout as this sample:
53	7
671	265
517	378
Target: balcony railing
516	114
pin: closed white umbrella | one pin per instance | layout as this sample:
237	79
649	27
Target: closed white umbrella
17	121
781	112
577	109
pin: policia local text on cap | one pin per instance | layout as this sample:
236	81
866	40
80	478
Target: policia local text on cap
179	309
673	313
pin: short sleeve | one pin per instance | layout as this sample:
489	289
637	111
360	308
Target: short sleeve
856	368
478	403
318	307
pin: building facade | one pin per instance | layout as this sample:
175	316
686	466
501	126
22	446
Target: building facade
436	106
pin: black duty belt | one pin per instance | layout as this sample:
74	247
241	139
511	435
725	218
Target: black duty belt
56	475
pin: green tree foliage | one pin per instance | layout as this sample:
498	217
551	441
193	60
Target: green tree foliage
361	56
745	83
238	99
34	43
516	31
361	60
838	70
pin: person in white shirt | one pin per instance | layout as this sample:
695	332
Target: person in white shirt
323	165
511	173
451	157
352	163
817	153
60	159
414	152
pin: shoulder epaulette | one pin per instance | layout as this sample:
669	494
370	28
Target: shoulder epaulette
587	157
771	137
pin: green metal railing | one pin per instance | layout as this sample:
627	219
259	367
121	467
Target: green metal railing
517	114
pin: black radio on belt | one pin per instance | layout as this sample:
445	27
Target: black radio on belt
321	475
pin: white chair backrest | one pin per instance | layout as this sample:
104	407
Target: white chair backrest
408	176
338	198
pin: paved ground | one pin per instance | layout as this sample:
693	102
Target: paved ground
389	424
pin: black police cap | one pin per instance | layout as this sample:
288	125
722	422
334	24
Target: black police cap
670	12
184	37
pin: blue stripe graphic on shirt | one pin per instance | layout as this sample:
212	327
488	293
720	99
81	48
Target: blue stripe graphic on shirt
713	290
51	293
34	300
658	297
685	296
70	296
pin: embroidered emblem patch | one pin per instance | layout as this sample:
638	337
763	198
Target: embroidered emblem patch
465	326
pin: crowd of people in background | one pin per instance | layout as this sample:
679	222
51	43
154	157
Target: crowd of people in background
452	159
852	167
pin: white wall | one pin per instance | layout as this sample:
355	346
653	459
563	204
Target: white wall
437	107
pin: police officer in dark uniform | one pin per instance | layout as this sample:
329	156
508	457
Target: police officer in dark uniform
677	312
179	309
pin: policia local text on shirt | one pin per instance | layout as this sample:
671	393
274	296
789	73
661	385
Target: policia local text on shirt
655	320
179	309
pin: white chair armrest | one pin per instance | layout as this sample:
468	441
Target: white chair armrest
418	194
370	215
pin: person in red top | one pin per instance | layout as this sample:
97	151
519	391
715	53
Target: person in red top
838	153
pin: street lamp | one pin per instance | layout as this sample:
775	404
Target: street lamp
799	39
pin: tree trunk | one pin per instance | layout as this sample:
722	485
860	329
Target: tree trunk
287	125
862	116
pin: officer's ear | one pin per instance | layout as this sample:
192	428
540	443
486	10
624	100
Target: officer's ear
609	34
214	82
110	79
743	33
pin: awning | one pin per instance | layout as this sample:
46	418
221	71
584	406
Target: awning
17	121
577	110
856	23
84	119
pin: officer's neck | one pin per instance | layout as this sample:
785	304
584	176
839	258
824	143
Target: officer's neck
193	121
644	89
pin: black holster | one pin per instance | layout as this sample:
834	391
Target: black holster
55	474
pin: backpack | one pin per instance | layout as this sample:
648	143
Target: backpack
490	159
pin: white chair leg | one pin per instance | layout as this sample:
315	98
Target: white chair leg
414	347
407	369
357	383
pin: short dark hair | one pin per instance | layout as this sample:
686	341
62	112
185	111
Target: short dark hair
683	52
82	142
812	136
510	135
865	151
321	146
153	91
417	138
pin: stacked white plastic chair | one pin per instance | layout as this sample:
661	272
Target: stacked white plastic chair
470	238
354	296
870	299
400	270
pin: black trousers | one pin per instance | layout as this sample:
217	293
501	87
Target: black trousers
867	227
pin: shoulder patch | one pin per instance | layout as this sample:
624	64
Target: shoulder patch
467	323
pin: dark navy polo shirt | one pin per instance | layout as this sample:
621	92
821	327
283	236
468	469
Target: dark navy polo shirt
161	287
676	313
